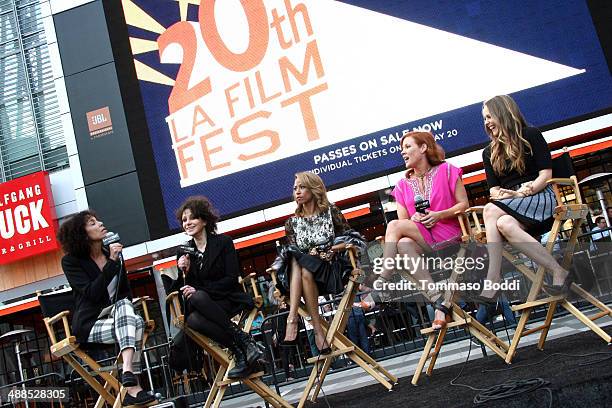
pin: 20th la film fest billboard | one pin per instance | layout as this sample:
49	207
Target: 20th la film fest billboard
240	95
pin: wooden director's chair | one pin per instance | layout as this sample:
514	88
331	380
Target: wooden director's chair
56	307
221	356
460	319
569	208
335	337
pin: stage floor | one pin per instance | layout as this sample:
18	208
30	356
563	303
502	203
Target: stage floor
574	381
571	385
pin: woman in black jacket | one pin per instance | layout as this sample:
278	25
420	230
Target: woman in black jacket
97	280
209	278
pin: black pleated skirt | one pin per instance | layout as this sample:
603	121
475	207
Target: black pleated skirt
535	212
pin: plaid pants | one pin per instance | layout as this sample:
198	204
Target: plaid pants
128	329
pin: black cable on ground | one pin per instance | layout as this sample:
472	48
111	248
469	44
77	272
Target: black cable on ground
510	389
609	354
502	391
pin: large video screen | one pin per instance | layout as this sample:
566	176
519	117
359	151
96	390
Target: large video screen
240	95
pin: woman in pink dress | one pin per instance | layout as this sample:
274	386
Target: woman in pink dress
417	230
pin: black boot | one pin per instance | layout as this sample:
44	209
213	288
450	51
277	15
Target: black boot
241	367
253	351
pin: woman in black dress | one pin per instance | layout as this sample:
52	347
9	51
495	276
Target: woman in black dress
97	279
315	268
210	285
517	164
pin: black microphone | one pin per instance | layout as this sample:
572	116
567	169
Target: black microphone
188	250
420	204
112	238
191	252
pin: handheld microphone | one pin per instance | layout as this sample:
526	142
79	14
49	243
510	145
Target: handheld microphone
112	238
420	204
188	250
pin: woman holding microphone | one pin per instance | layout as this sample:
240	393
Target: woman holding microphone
97	281
428	179
210	285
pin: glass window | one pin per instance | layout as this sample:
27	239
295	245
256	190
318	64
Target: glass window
31	135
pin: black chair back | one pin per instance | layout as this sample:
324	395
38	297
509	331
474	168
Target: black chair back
562	166
56	302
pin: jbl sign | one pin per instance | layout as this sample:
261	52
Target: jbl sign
99	122
27	220
98	119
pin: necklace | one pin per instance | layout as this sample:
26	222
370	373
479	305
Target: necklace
422	183
422	176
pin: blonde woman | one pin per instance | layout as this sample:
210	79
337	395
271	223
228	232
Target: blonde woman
313	266
517	164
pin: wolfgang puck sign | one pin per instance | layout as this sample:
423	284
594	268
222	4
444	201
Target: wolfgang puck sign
27	223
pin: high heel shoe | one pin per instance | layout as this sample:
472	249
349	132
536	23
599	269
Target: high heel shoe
560	290
325	350
293	342
438	305
485	300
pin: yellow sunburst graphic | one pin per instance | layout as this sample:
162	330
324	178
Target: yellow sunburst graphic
137	17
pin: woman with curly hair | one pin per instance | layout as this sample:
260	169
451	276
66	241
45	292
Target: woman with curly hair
97	281
209	278
517	165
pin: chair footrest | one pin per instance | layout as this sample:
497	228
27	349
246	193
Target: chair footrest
534	329
334	353
538	302
456	323
233	380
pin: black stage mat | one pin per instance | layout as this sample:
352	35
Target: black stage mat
572	381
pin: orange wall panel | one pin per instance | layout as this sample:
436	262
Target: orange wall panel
30	270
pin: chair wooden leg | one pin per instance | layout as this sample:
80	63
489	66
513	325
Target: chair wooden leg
423	359
371	370
100	402
321	377
592	299
108	386
341	341
357	355
518	334
267	393
89	379
106	376
490	340
587	322
369	360
119	399
214	389
309	384
436	352
549	317
219	396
